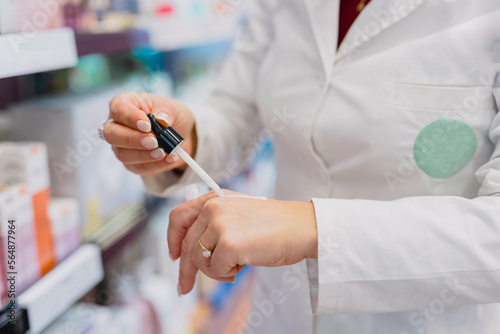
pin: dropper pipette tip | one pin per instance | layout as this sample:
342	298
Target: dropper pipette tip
199	171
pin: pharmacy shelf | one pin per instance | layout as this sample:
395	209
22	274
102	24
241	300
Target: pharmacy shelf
54	293
170	35
110	43
226	319
123	226
39	51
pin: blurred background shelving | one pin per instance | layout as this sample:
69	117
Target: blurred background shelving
110	43
59	67
43	51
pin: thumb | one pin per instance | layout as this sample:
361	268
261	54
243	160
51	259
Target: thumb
181	219
165	110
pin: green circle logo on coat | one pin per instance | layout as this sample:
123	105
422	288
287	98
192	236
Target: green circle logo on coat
444	147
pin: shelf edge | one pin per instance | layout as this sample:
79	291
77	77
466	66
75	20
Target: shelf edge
54	293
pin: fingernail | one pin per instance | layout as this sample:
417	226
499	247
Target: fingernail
149	142
144	126
179	291
158	153
172	157
171	257
163	116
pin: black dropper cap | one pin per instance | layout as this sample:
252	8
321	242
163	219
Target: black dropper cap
168	138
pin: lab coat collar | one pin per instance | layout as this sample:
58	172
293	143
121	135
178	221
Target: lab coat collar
323	15
378	16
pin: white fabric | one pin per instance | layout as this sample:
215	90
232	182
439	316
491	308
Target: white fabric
400	251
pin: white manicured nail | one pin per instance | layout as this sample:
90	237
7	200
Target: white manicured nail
149	142
163	116
144	126
171	257
158	153
172	157
179	291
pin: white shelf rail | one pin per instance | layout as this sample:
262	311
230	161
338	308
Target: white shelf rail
63	286
37	51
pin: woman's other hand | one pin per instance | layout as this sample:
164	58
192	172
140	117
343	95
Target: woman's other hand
130	131
239	232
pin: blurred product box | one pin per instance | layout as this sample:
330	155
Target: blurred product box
29	16
21	257
73	12
66	226
7	16
82	166
100	16
5	124
27	163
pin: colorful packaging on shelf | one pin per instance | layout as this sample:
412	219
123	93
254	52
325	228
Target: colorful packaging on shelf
82	166
26	162
28	16
3	283
66	226
16	207
7	16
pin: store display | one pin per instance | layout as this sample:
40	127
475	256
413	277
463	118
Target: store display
27	163
66	227
21	257
63	286
29	16
7	16
5	124
137	316
82	166
157	275
60	112
35	52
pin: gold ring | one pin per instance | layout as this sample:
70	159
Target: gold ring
206	252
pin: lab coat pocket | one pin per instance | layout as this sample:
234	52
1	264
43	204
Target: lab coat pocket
455	100
447	133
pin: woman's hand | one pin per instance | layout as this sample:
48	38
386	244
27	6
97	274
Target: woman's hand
130	131
239	232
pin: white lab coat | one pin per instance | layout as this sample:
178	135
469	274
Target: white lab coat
400	251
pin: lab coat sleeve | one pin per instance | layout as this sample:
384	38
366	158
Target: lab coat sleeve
227	124
391	256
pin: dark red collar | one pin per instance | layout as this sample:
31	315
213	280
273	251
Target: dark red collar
347	14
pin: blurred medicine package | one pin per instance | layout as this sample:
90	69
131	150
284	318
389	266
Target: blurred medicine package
7	16
30	16
66	227
82	166
27	163
22	255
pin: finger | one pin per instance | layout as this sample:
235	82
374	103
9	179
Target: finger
202	262
181	218
131	156
121	136
165	111
187	269
224	260
130	110
193	242
152	168
191	254
221	265
187	273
